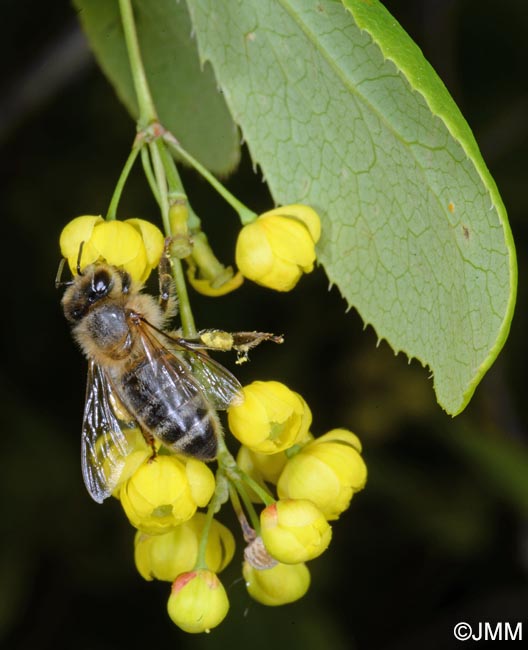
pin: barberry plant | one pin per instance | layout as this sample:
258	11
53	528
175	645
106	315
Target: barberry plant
172	499
376	176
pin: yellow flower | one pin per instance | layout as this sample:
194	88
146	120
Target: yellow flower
198	601
76	232
164	557
134	245
271	418
162	493
201	480
327	471
279	246
153	241
279	585
294	530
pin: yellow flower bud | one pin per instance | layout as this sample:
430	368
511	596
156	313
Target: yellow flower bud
279	246
271	418
279	585
201	480
327	471
340	435
294	530
158	497
164	557
198	601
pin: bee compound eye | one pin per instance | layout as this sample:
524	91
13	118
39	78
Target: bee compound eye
101	285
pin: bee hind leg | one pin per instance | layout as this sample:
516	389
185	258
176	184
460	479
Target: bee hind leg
151	442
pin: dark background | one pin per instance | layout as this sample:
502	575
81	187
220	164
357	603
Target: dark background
440	534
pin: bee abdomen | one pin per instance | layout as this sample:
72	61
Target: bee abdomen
179	419
193	433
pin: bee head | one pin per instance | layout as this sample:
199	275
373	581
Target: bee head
95	283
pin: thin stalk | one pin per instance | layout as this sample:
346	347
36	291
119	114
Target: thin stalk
239	489
187	320
204	537
244	213
238	477
161	184
116	196
149	173
147	110
247	531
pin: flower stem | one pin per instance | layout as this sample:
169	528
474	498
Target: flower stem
161	183
147	110
149	173
247	531
202	546
244	213
112	208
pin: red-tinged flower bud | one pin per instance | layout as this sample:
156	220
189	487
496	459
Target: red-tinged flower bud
294	531
198	601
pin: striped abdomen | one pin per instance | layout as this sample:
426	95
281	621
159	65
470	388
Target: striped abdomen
168	403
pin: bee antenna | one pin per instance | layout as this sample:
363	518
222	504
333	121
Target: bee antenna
81	246
58	281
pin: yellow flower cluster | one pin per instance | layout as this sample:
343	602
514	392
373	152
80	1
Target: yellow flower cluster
315	480
160	499
134	245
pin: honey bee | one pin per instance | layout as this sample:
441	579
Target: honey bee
142	376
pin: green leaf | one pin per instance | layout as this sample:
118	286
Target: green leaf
341	111
186	97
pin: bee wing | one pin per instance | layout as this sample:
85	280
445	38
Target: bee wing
191	369
221	388
104	445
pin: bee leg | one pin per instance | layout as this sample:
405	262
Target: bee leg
165	278
149	439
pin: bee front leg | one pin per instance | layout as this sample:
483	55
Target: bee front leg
165	278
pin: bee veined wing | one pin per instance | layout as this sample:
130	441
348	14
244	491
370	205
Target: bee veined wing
107	435
221	388
192	369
